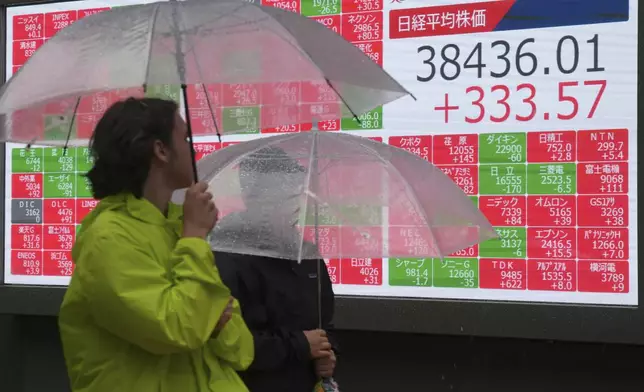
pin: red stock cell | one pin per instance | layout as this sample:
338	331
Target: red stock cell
288	5
58	263
96	103
60	211
603	277
465	176
603	211
603	244
23	50
602	178
328	239
361	5
26	262
26	237
241	94
211	97
361	271
59	237
30	26
504	210
551	275
202	149
56	21
410	242
363	26
333	268
84	207
603	145
456	149
202	122
556	146
420	145
26	186
502	274
552	243
552	211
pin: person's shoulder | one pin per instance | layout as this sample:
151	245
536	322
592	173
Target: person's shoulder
115	226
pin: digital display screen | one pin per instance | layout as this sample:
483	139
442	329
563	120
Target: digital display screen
529	106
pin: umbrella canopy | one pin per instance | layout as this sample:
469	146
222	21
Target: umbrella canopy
353	197
276	68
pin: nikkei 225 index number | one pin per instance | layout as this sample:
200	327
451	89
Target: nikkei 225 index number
526	63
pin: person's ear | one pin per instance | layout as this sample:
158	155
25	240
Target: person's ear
161	151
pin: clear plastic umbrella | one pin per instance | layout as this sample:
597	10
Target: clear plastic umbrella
276	68
297	196
335	195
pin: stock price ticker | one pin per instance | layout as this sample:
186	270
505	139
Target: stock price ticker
450	65
535	121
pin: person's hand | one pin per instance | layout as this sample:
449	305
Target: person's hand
199	211
319	343
324	367
225	317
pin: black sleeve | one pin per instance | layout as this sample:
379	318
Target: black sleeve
328	306
274	348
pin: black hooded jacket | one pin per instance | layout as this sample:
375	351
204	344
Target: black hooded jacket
279	300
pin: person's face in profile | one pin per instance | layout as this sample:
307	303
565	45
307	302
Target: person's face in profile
178	158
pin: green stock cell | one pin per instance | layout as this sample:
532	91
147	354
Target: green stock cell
59	160
320	7
59	185
164	91
552	179
511	243
26	160
241	119
83	186
502	148
456	272
475	200
57	128
508	179
410	272
84	160
369	120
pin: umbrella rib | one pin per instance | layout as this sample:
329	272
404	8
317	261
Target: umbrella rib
406	185
304	204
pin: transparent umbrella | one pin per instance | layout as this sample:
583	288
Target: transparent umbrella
257	67
335	195
299	196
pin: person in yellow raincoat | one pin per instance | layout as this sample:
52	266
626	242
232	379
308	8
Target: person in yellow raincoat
146	310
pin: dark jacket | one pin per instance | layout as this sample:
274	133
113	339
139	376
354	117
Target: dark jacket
278	301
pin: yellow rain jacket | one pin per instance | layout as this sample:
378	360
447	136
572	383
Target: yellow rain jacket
142	305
